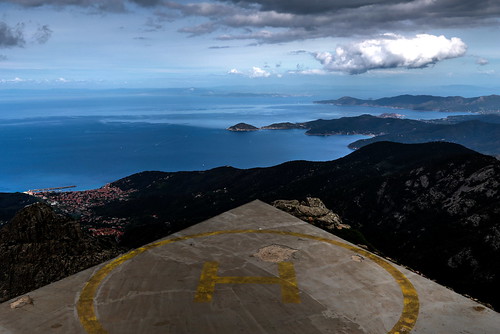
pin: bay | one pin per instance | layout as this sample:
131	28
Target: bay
90	138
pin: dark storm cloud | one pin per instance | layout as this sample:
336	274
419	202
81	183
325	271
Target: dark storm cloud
11	36
108	5
275	21
310	6
290	20
440	8
147	3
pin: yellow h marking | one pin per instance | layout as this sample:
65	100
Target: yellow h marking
209	278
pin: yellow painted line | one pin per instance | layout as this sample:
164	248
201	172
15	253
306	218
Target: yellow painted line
289	288
89	321
209	278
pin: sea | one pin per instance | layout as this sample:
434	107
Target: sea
88	138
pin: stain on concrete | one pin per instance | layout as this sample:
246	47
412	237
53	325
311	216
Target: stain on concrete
275	253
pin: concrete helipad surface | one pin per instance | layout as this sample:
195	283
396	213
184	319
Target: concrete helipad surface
253	269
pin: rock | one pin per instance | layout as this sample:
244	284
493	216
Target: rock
312	210
242	127
23	301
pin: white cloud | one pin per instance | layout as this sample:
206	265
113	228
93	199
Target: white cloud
257	72
482	61
310	72
14	80
391	51
234	71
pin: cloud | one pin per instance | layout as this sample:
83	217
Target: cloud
482	61
218	47
206	9
110	6
391	51
147	3
14	80
104	6
276	21
200	29
234	71
298	52
310	72
257	72
11	36
42	34
311	6
15	36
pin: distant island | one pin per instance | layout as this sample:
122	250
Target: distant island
242	127
481	104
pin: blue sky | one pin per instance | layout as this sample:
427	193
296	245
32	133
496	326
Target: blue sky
367	48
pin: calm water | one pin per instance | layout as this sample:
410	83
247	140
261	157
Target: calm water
90	138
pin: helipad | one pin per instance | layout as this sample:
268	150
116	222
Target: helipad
253	269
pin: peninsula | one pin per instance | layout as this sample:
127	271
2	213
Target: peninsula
477	132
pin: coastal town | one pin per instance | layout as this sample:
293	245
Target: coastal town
80	204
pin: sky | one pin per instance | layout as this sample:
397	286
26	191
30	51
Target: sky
366	48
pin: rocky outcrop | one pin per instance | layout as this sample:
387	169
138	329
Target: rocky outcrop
312	210
242	127
39	246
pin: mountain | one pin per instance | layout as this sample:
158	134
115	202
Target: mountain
481	104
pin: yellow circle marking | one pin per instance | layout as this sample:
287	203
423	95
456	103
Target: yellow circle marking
86	308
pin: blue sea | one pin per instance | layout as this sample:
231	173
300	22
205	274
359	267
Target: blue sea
89	138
